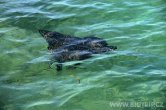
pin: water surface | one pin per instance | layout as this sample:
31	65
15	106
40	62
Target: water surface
136	72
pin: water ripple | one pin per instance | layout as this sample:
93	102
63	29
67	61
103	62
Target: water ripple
135	71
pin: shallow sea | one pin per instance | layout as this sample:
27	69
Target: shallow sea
134	73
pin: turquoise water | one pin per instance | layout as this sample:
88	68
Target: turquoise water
135	72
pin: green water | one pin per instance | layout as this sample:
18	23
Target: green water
135	72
